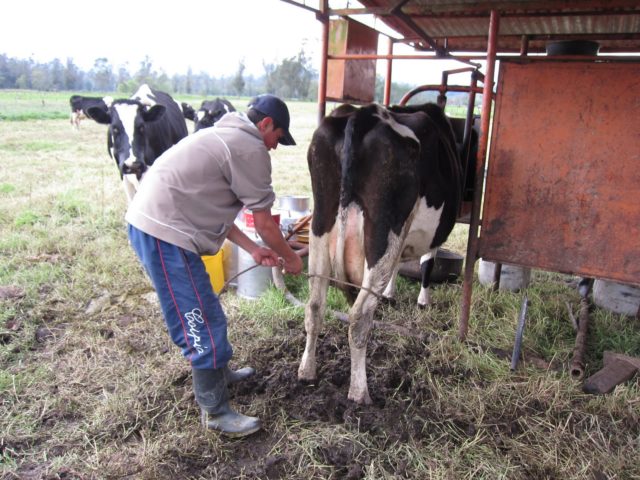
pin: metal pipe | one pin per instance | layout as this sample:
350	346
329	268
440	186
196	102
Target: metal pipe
468	126
474	223
450	88
387	81
467	58
323	17
517	346
577	362
524	46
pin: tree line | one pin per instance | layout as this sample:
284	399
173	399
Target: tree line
292	78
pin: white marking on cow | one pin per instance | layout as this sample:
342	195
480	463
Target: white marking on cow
200	115
423	229
127	114
400	129
144	95
424	298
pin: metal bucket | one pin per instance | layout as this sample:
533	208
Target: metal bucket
255	282
292	208
294	204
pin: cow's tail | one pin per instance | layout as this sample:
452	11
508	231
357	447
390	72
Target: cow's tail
356	129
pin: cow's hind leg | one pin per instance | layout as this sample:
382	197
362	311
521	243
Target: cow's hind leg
361	320
389	294
319	264
360	323
426	267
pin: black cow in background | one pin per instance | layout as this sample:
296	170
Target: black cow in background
141	128
80	106
211	111
188	111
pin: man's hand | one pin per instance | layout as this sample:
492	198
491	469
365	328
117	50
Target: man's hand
293	264
265	257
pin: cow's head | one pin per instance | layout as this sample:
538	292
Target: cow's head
127	140
210	112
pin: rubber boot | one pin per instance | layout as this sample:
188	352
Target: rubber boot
235	376
212	395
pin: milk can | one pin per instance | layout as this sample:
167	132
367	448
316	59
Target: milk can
253	283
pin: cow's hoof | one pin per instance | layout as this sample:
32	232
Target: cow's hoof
361	399
306	376
422	306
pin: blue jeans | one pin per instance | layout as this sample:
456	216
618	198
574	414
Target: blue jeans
191	309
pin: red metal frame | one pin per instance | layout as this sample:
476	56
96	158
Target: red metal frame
491	57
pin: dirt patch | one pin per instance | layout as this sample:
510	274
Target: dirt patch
391	384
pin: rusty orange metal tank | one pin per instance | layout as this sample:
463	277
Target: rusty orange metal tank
563	182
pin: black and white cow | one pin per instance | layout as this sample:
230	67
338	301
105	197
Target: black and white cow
386	186
141	128
188	111
80	106
211	111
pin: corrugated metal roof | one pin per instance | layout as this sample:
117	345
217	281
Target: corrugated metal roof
463	25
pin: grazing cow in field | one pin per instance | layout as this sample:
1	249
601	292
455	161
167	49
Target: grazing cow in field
80	106
386	186
211	111
141	128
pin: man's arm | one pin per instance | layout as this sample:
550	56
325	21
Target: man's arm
261	255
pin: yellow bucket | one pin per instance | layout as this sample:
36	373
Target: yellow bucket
214	266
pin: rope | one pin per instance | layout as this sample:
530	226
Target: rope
309	275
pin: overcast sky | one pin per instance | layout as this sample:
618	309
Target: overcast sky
206	35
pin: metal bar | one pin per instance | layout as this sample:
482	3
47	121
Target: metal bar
507	8
438	88
464	58
497	273
620	7
524	46
387	80
577	363
300	5
474	223
468	126
322	80
441	52
517	346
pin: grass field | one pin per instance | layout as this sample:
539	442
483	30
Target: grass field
92	388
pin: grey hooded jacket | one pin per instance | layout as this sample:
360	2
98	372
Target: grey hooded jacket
191	195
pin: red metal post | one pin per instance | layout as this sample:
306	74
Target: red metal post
472	244
322	80
387	81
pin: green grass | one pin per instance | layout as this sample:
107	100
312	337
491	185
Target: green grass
91	386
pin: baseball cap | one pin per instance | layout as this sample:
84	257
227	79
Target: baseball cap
273	107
